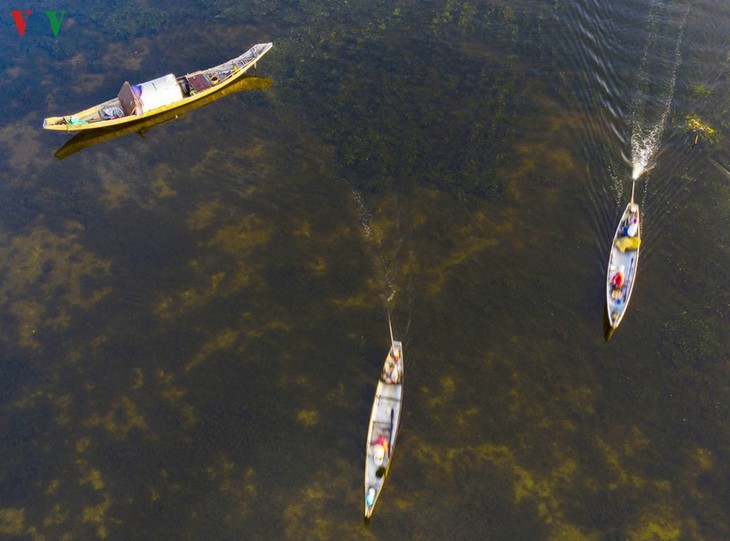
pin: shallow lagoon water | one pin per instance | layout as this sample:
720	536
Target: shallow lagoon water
194	320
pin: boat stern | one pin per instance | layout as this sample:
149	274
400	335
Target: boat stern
370	497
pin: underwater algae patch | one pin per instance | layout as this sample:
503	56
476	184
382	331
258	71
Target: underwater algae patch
12	521
657	522
121	418
117	191
96	515
82	484
243	162
45	275
464	234
218	277
543	490
308	418
223	341
575	488
308	513
22	145
117	54
699	127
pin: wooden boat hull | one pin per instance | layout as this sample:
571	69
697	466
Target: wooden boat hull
623	260
89	138
216	79
384	423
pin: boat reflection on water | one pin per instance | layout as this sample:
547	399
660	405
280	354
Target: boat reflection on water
90	138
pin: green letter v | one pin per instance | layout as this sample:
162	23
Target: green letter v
54	20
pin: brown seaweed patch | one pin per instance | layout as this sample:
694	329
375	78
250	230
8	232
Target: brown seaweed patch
63	404
307	418
242	237
221	342
534	161
96	515
443	395
22	141
470	233
613	457
302	228
86	83
204	214
581	398
570	532
82	444
169	307
308	516
92	477
364	299
237	240
160	185
230	163
138	382
237	485
175	396
52	487
29	315
700	462
318	266
116	191
543	490
12	521
120	419
42	268
702	459
127	56
56	516
658	522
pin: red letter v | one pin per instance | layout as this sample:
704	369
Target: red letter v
19	21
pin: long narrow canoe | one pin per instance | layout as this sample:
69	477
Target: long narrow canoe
89	138
384	423
145	100
622	264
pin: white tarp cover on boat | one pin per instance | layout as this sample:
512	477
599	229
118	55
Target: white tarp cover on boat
160	92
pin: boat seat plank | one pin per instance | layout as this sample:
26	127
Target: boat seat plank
391	398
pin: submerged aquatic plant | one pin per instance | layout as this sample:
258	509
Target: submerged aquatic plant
695	124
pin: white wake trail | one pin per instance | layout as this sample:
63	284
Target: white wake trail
646	134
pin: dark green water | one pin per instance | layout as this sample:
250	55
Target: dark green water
193	322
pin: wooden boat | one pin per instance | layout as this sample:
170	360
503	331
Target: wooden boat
142	101
90	138
384	423
622	263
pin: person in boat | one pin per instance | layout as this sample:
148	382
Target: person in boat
370	498
617	283
631	227
390	374
380	450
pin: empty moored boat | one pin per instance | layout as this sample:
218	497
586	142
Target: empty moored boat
145	100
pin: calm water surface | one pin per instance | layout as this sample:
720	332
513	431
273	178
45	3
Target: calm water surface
193	321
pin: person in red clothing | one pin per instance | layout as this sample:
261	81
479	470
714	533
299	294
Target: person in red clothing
617	282
380	449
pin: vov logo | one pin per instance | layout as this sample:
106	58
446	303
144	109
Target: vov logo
21	19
